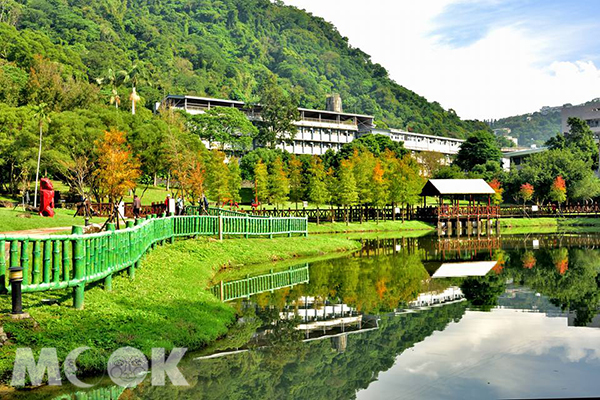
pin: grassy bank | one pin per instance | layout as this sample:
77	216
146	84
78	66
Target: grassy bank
548	222
382	226
17	220
167	305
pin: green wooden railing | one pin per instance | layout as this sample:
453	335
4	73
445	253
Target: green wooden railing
105	393
71	261
251	285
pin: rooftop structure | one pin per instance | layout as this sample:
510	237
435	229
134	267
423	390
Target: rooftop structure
441	187
517	158
455	190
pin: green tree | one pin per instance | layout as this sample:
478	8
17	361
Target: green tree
409	182
279	184
586	189
479	148
380	187
235	179
317	186
296	182
363	164
580	140
347	193
218	178
278	113
226	126
261	182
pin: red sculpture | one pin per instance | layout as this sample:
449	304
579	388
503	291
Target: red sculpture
46	198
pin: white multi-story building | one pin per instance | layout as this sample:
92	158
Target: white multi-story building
321	130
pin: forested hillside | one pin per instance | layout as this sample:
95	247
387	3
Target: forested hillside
534	128
220	48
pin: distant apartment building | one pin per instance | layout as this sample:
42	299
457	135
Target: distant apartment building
589	113
321	130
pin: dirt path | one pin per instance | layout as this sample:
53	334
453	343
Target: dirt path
34	232
38	231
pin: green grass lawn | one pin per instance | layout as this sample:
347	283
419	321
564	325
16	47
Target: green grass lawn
382	226
527	222
16	220
167	305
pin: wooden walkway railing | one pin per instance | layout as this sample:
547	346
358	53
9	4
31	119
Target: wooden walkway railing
333	214
105	209
251	285
40	263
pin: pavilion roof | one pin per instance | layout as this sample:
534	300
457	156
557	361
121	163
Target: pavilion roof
439	187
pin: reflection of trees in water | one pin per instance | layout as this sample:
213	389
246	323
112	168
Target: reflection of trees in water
370	285
569	277
313	370
483	291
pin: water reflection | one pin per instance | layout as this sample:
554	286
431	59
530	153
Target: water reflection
345	333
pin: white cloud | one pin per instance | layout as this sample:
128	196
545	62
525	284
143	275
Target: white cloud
510	70
517	352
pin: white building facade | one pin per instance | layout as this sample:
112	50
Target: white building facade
321	130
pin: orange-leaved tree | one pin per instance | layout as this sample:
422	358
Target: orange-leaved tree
498	190
558	191
118	169
526	193
380	187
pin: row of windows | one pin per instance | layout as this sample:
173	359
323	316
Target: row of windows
326	131
593	123
322	145
430	140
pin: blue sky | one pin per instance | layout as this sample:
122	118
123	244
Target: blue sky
482	58
578	22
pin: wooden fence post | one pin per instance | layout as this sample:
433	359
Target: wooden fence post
220	227
131	268
270	227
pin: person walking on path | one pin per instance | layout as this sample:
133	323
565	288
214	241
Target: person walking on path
179	206
205	203
137	206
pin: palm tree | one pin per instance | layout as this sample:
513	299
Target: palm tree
39	113
111	80
135	75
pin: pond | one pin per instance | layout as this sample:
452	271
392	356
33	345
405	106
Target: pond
410	318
